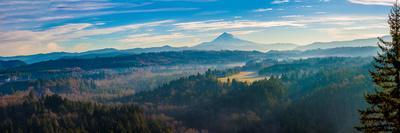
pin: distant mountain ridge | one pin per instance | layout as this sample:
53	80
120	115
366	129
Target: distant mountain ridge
336	44
107	52
225	41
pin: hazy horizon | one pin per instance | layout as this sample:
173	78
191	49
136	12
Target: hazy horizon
167	45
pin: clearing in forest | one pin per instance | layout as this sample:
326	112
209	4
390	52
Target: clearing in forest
248	77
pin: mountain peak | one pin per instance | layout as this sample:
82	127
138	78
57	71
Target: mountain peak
166	46
225	36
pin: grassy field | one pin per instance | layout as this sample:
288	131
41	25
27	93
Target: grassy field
248	77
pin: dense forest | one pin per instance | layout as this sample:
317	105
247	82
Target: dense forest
51	114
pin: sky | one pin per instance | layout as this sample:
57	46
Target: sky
43	26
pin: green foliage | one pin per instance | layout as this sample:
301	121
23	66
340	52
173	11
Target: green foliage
326	101
383	115
185	90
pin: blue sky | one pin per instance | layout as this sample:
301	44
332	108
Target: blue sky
42	26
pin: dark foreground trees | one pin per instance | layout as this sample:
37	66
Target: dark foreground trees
384	113
52	114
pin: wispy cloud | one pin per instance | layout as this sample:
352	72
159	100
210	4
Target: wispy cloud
26	12
350	34
149	38
235	24
29	42
187	0
244	32
374	2
211	13
279	1
293	16
290	21
262	10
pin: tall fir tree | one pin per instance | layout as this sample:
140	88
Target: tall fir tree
383	114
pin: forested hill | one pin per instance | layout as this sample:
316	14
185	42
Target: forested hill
51	114
11	64
315	65
146	59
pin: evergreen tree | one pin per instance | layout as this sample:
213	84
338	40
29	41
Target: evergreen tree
383	115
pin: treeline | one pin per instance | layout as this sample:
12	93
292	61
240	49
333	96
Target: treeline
256	65
313	65
52	114
99	82
62	85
